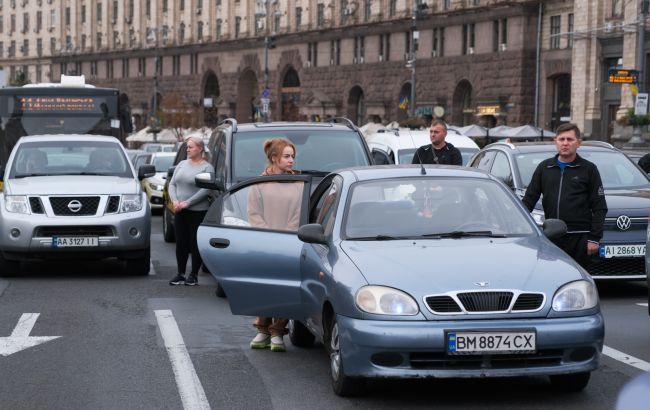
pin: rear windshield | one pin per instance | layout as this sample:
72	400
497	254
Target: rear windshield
316	150
406	155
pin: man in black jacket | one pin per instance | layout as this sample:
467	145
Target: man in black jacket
572	191
440	151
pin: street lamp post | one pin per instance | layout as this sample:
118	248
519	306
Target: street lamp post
413	52
269	42
153	38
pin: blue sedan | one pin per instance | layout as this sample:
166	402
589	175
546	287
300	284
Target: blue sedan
405	272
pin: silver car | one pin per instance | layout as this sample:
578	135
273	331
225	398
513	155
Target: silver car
408	275
73	196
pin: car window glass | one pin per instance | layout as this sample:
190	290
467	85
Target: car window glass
220	151
326	207
486	161
501	168
265	205
478	159
527	163
162	163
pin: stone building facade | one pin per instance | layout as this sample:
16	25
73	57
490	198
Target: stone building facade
477	61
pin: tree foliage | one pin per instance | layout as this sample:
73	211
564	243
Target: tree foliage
177	112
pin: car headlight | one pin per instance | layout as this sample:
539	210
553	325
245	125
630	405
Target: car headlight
131	203
17	204
383	300
578	295
538	216
155	187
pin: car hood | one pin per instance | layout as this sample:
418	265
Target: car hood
157	179
72	185
622	199
424	267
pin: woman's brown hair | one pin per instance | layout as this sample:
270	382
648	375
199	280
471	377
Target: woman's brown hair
275	146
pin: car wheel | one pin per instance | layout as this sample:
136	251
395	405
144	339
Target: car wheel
342	384
570	383
168	230
299	335
220	292
8	268
140	265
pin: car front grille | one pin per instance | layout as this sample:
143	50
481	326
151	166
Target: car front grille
484	302
36	205
113	204
617	267
91	230
441	361
60	205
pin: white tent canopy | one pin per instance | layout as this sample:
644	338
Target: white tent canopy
499	131
473	130
164	136
528	131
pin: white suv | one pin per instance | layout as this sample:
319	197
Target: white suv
73	196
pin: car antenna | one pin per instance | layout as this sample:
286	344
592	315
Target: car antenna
423	171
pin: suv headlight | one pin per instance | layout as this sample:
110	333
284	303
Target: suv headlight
155	187
538	216
131	203
578	295
17	204
382	300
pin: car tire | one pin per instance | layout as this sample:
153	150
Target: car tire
299	335
140	266
570	383
343	385
8	268
168	230
220	292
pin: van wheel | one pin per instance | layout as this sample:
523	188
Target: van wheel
570	383
140	266
8	268
299	335
342	384
168	231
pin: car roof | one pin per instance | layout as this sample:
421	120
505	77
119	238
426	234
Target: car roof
396	171
549	146
163	154
406	139
266	126
68	137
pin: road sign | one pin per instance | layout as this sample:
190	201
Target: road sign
265	93
641	105
20	338
623	76
265	104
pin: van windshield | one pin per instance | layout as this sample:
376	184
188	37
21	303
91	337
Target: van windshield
316	150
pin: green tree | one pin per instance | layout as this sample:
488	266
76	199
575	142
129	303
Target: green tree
20	79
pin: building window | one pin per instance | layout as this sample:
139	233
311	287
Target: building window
218	31
259	24
2	26
98	41
335	52
359	49
312	54
116	39
555	32
199	31
194	63
344	11
52	45
116	5
570	31
320	16
446	4
142	67
67	16
237	26
130	13
384	47
407	45
25	47
276	23
93	68
83	13
392	8
441	49
298	18
52	18
25	22
367	10
617	8
147	8
476	2
164	6
181	34
39	47
176	65
99	12
468	39
83	42
2	48
39	74
39	21
125	68
504	33
181	5
109	68
12	27
165	34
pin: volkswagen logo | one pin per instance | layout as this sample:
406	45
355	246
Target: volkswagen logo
74	206
623	222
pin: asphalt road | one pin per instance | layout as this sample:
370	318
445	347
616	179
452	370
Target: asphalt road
111	353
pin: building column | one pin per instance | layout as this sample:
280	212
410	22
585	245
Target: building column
631	12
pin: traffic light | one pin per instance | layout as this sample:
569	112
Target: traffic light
270	42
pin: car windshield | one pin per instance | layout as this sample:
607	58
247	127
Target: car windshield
69	158
616	169
433	208
406	155
162	163
316	150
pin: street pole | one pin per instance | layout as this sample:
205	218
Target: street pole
265	113
413	52
636	140
155	90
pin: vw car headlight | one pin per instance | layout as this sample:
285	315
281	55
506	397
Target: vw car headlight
17	204
131	203
578	295
382	300
538	216
155	187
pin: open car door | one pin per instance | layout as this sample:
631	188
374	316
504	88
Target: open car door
248	240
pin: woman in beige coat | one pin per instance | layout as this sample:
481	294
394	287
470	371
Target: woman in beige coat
275	205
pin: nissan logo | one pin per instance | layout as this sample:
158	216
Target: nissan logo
74	206
623	222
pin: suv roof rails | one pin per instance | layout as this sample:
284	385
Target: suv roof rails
596	143
343	120
232	122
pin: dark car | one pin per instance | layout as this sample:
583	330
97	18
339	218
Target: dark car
627	190
236	152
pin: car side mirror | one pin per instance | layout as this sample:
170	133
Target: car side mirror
170	172
554	228
209	181
146	171
380	157
312	233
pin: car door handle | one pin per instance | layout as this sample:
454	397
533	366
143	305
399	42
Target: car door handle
219	243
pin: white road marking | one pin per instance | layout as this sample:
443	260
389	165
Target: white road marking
20	338
189	385
643	304
626	358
